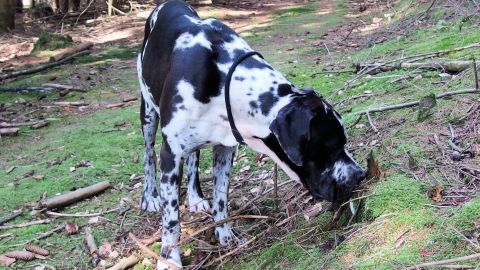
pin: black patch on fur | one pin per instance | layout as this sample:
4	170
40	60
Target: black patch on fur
284	89
267	101
221	205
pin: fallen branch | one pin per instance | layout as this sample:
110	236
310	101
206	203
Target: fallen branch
64	87
371	123
92	247
215	224
39	125
71	51
126	263
70	103
443	262
74	196
10	217
445	66
152	254
40	67
18	124
23	225
6	235
55	214
415	103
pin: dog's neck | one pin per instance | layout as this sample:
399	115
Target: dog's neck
257	95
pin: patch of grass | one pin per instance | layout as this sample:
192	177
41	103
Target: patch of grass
112	53
395	193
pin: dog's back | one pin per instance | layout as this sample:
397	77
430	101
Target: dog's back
178	43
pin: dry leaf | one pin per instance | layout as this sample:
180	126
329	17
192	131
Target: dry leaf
105	249
187	252
135	157
255	190
436	194
37	250
21	255
4	260
312	211
71	228
114	254
373	169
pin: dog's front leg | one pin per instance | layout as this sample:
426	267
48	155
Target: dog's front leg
170	165
222	165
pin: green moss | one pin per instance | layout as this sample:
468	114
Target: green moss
50	41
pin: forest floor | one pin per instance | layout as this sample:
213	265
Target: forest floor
421	206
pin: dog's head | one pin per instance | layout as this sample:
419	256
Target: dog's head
311	135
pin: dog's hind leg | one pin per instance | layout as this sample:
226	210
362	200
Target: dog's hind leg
196	202
149	119
170	165
222	165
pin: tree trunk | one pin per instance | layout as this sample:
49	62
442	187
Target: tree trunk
7	15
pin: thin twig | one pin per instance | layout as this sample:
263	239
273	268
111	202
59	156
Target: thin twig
11	217
55	214
261	195
215	224
152	254
22	225
415	103
475	74
237	249
371	123
443	262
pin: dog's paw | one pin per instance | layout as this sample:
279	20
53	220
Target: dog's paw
150	203
163	266
224	234
198	205
172	255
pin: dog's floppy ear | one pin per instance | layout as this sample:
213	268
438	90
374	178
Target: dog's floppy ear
291	127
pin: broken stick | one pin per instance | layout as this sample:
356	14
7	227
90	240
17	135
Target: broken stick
92	247
126	263
11	217
154	255
443	262
74	196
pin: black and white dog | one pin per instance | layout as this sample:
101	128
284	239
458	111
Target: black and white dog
182	69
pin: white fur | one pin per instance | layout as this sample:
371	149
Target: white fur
187	40
145	90
153	18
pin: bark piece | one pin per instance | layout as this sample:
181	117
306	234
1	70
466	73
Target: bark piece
92	247
126	263
75	196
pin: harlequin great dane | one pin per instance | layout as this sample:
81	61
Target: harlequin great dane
206	87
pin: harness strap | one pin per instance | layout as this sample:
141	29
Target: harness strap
237	62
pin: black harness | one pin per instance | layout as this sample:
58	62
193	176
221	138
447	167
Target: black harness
237	62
